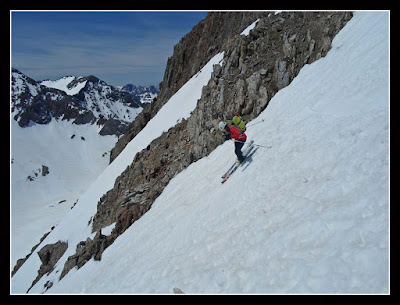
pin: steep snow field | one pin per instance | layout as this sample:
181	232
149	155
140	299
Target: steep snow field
62	84
74	227
308	215
73	165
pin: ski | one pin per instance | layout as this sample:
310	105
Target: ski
227	172
230	173
235	165
234	168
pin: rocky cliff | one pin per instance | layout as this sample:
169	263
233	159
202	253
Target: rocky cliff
192	52
255	67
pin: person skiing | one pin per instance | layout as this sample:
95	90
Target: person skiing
233	131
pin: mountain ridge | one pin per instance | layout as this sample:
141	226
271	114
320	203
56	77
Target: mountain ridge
146	94
80	99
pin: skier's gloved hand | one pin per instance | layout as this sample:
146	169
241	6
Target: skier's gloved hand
227	136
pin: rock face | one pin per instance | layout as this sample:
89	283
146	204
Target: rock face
197	47
192	52
85	250
255	67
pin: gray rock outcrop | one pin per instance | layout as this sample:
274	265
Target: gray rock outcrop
49	256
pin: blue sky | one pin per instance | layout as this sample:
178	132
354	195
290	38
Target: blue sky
117	47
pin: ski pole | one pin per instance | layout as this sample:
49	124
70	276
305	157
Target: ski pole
249	125
262	146
253	144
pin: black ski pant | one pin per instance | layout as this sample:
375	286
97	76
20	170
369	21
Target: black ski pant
238	150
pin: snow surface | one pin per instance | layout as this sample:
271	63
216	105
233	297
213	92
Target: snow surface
308	215
62	84
73	166
247	30
75	155
73	227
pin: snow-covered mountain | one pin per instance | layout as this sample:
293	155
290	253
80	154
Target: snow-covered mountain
71	85
307	215
80	99
57	150
146	94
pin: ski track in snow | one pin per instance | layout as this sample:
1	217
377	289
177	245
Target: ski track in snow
308	215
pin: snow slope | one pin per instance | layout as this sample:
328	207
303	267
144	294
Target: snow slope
75	154
308	215
247	30
74	163
74	226
62	84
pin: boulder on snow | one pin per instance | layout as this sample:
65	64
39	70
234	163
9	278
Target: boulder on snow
177	291
45	170
49	256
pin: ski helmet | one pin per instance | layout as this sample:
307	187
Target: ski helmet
222	126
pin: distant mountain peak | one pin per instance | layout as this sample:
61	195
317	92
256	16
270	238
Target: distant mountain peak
71	85
146	94
81	99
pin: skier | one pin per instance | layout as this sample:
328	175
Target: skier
233	131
